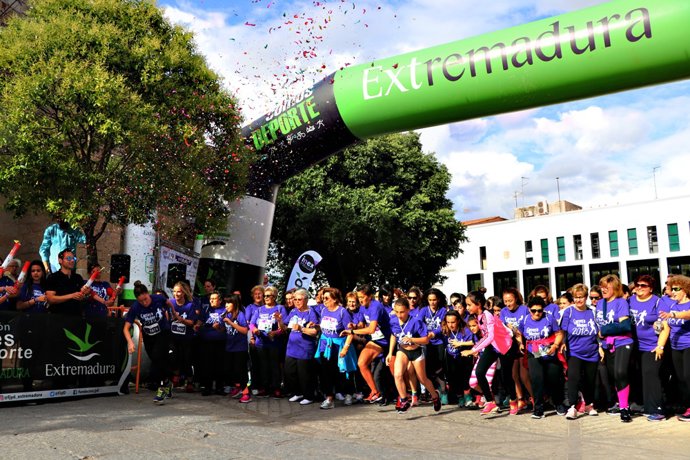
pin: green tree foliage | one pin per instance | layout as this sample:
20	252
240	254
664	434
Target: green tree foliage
108	114
376	212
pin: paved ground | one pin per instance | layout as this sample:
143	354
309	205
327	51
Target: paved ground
192	426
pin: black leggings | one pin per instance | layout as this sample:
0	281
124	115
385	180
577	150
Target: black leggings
434	361
681	363
652	394
269	365
330	377
458	372
236	368
487	358
158	348
212	363
617	366
546	374
582	375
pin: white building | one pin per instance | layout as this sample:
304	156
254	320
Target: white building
564	247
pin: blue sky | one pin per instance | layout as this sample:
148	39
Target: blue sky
603	150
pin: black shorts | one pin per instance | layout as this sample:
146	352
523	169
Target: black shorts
413	355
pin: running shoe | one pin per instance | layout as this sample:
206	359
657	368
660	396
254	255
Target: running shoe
358	398
437	403
613	410
685	417
277	395
227	389
397	403
625	415
160	395
327	404
561	410
513	407
295	398
405	404
572	413
305	402
444	399
521	405
246	398
348	400
234	392
169	391
590	410
374	397
538	414
339	397
656	418
415	400
490	408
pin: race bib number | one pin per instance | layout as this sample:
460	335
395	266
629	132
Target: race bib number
377	335
152	329
265	325
178	328
329	324
294	320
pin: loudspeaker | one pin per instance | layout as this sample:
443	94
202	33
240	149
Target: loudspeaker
176	272
119	266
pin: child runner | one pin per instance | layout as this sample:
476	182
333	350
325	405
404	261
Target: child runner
236	354
408	335
457	337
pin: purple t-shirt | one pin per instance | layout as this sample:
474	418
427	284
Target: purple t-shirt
433	322
643	315
299	345
514	318
357	316
413	327
539	329
264	321
552	309
463	335
581	331
333	323
236	341
93	308
34	291
181	331
209	317
152	318
615	310
376	312
680	328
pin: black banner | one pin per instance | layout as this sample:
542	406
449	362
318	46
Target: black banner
48	356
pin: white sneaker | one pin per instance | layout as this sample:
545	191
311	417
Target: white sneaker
571	414
348	400
304	402
359	397
593	412
227	389
327	404
339	397
295	398
255	392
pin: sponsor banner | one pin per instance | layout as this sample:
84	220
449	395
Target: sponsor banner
303	271
169	256
45	356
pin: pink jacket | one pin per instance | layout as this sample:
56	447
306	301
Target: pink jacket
494	332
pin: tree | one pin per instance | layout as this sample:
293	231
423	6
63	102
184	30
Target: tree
109	115
376	212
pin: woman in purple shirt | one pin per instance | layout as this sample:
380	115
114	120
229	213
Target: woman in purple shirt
618	343
264	327
512	315
677	327
433	314
236	328
644	312
581	338
299	355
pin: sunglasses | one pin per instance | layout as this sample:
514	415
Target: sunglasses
536	310
412	297
71	259
675	289
641	285
266	296
594	298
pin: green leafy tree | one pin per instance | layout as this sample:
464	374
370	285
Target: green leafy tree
376	212
108	114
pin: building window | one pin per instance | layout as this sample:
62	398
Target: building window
577	244
560	243
613	242
596	252
529	257
545	251
482	257
673	241
632	241
652	240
